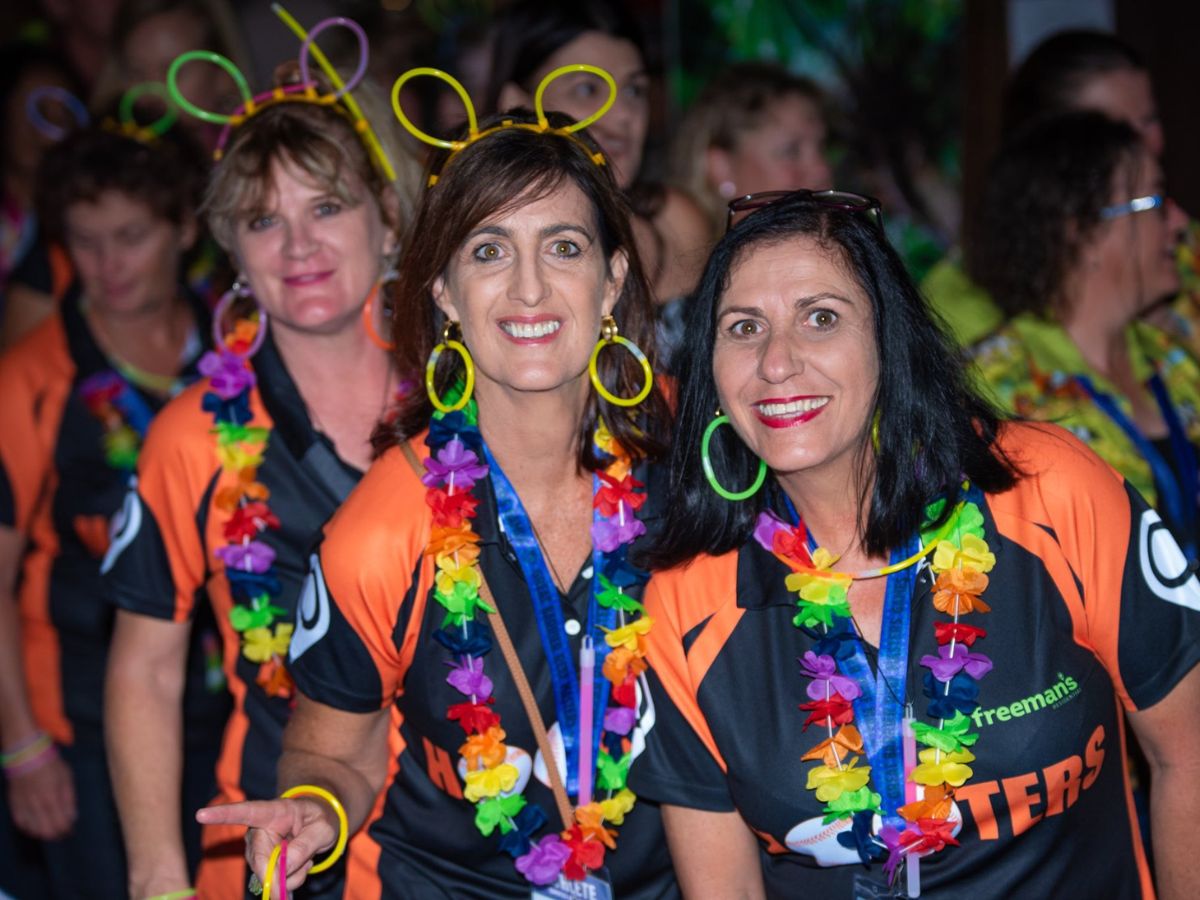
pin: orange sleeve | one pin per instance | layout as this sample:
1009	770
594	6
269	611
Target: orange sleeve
1121	574
694	609
361	608
35	378
157	560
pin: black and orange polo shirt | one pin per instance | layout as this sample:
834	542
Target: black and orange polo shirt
1093	613
57	490
165	557
364	642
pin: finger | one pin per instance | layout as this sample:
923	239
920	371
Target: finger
253	814
259	845
299	876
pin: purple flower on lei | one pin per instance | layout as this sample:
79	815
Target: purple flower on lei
620	719
609	534
765	529
467	678
947	664
454	461
825	678
890	835
227	373
254	556
544	860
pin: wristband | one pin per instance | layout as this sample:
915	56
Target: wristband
186	894
310	790
31	763
31	748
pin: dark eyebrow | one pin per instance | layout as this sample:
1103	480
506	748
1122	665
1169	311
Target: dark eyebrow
559	227
802	302
799	303
742	310
549	230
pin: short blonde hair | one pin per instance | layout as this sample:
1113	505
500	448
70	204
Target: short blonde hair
322	142
734	102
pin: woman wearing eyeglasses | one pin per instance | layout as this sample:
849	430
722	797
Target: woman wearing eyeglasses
895	637
1076	242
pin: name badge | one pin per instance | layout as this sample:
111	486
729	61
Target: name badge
596	886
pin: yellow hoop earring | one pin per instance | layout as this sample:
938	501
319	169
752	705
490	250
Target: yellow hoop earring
609	335
449	343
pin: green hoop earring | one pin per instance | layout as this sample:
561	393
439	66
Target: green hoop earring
448	343
722	419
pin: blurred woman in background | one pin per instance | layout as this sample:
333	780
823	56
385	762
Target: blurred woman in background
79	392
1069	71
1076	242
534	37
755	127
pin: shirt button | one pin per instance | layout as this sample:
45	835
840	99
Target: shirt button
571	627
587	573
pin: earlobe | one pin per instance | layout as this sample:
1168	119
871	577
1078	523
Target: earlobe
718	172
187	234
442	300
618	269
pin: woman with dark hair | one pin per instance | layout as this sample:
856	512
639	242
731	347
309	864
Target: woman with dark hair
1076	242
244	468
23	69
533	38
1068	71
1077	70
524	471
837	548
79	392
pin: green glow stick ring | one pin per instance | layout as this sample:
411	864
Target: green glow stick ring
218	60
129	99
722	419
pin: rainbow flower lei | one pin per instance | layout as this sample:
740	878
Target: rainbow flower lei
961	561
124	418
455	464
249	562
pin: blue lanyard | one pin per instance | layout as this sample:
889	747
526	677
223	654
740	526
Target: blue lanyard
878	714
134	408
1179	499
547	608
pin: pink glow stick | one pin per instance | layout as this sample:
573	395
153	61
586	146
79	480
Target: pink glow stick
587	679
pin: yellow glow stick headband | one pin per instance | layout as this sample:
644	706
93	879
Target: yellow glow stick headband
473	132
305	92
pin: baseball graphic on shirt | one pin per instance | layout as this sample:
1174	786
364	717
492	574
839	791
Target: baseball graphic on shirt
312	612
125	526
814	838
1163	564
554	735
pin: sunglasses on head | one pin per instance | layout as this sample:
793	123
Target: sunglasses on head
844	200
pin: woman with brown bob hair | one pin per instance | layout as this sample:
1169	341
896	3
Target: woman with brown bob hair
526	462
233	488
